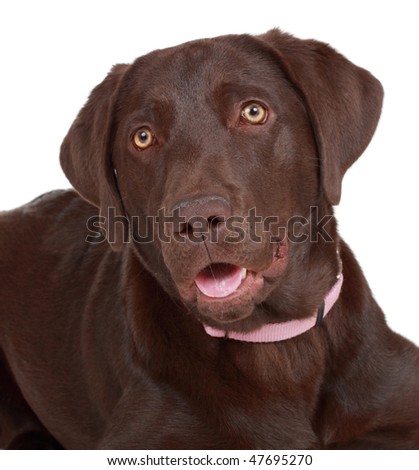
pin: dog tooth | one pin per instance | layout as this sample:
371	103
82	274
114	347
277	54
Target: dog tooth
244	273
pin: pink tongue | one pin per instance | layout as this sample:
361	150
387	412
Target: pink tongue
219	280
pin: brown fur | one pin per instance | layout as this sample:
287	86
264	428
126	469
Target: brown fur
102	348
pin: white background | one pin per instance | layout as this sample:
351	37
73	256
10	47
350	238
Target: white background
54	52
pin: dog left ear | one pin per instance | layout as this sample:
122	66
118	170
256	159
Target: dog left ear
86	155
343	101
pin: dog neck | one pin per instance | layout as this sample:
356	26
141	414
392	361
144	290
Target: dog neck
274	332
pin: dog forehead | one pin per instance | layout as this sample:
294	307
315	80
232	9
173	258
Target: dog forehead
193	67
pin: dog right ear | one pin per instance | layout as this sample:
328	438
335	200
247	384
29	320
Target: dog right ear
86	154
343	102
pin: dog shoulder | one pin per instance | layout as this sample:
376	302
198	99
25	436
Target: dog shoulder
54	216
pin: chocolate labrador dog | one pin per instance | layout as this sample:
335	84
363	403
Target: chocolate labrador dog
193	292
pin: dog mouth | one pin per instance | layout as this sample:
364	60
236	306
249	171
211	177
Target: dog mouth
219	280
225	292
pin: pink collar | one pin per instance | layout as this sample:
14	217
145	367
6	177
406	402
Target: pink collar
273	332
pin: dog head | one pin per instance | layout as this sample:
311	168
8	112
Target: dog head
208	150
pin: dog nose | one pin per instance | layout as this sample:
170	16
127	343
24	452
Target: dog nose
200	218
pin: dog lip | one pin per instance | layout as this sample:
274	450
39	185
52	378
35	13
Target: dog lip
196	293
234	307
220	280
247	287
246	283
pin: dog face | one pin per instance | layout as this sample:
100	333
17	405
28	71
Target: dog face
213	148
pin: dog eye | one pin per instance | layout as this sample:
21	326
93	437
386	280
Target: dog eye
143	138
254	113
